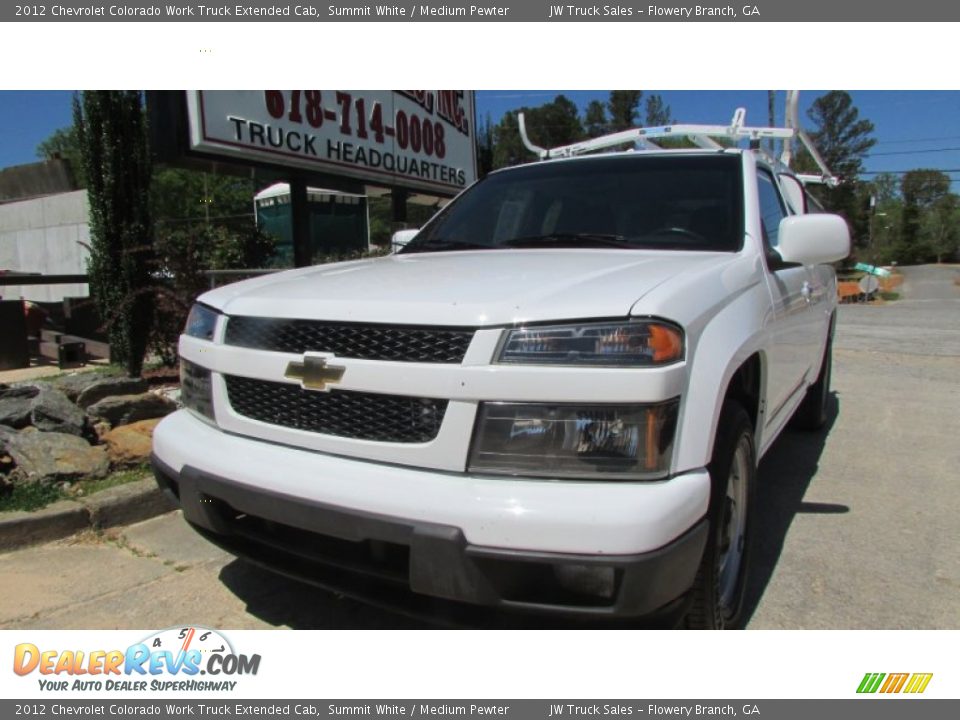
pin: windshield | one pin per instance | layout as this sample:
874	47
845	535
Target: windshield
631	202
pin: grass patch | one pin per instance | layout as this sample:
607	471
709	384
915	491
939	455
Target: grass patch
119	477
105	371
889	295
31	496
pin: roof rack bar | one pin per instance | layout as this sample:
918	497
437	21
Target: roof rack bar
828	177
707	143
792	121
700	135
633	135
540	152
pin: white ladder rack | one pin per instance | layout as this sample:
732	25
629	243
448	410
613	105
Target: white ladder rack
702	136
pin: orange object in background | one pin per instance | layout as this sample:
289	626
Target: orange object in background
848	291
887	284
35	316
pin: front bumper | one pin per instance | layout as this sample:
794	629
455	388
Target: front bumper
356	526
352	552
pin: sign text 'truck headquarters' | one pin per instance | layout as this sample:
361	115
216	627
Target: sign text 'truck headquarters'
420	139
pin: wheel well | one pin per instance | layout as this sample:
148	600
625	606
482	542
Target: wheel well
744	387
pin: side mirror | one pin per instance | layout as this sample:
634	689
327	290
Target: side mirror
813	239
400	239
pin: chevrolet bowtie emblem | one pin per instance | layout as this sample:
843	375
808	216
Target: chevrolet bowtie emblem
314	373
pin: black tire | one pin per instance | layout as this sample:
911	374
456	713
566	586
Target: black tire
719	588
811	416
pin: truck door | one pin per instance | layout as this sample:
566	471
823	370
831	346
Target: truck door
792	322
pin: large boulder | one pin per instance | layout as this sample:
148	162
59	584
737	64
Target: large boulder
41	406
6	461
49	457
130	444
19	391
126	409
16	404
110	387
5	435
75	383
52	411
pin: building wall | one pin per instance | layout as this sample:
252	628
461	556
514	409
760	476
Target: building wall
49	235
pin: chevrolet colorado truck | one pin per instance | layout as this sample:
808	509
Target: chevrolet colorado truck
552	400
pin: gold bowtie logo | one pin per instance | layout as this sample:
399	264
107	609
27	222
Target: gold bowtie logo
314	373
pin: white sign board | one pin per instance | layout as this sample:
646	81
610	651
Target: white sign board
417	139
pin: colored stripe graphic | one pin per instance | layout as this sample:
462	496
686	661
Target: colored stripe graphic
870	682
918	683
895	683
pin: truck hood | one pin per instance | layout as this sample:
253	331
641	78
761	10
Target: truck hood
475	288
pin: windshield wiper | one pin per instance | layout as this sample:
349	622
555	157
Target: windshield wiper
442	245
568	240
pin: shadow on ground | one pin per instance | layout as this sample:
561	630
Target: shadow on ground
784	476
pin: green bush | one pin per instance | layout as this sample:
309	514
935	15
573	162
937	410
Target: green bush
183	255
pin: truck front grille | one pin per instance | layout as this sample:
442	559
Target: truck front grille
362	416
353	340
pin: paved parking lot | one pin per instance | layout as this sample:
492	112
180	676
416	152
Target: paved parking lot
860	526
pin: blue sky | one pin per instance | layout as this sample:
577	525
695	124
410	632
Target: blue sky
913	128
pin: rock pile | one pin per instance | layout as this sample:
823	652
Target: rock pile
76	427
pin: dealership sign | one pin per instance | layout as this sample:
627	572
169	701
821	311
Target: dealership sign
417	139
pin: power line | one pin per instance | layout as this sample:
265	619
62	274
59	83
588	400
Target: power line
904	172
914	152
916	140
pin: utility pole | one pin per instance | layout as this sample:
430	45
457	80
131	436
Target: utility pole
772	116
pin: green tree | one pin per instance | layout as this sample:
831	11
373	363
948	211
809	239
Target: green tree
623	106
657	112
595	119
558	122
485	145
886	189
184	196
63	144
203	221
843	139
382	226
938	229
927	208
550	125
508	149
111	128
885	218
183	253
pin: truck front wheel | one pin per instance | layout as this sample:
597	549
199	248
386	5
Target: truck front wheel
717	594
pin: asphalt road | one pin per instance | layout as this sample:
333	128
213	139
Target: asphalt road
860	525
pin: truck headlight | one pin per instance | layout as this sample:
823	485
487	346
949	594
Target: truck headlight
611	442
630	343
201	322
196	391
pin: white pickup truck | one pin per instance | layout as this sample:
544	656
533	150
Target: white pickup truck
552	400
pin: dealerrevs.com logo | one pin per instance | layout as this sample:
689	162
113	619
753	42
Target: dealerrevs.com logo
910	683
172	659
